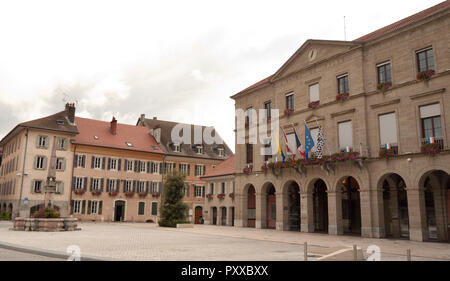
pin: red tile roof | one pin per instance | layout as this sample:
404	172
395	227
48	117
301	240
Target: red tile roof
224	168
406	21
138	136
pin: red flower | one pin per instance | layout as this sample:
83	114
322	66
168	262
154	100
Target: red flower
314	104
288	111
425	75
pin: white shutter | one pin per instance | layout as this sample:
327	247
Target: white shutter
314	92
388	128
345	134
430	110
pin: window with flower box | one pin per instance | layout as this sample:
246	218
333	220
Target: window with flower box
314	92
343	87
78	182
141	186
154	187
425	59
388	131
222	188
384	72
290	100
128	186
37	186
345	135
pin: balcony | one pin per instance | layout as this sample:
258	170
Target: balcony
438	140
385	153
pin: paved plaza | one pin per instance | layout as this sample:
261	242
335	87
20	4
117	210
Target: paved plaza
145	241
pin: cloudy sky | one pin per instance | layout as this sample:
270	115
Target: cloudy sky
177	60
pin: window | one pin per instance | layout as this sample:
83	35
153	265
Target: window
184	168
199	149
42	142
154	187
345	135
129	165
40	162
431	120
59	187
95	184
388	129
94	207
60	164
220	151
61	143
425	60
80	161
97	162
176	147
77	206
111	185
249	115
155	168
249	152
199	191
290	101
128	186
267	148
141	208
78	183
37	186
222	188
314	92
129	144
268	108
141	186
384	72
343	84
199	170
169	167
143	167
186	190
154	208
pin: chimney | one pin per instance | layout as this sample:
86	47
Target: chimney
70	110
142	119
114	126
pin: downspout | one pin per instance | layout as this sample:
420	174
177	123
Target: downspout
71	179
23	171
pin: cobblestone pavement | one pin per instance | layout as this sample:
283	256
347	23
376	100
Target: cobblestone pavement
10	255
143	241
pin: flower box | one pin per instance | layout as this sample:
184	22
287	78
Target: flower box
431	148
384	86
129	194
142	194
342	97
288	111
221	196
343	156
96	192
155	194
314	104
209	196
79	191
386	153
231	195
113	193
425	75
247	170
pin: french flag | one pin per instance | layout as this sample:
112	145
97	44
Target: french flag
387	146
431	140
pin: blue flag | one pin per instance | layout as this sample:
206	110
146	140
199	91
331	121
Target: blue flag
309	142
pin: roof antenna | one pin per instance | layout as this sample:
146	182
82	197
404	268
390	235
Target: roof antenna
345	33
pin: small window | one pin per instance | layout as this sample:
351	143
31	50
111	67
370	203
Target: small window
176	147
129	165
290	101
77	206
128	186
40	162
60	163
384	72
199	149
129	144
79	183
60	122
184	168
154	208
155	168
343	84
425	59
113	164
268	108
97	162
37	186
95	184
220	151
143	167
94	207
42	142
141	186
141	208
222	188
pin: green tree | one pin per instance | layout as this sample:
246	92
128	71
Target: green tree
173	209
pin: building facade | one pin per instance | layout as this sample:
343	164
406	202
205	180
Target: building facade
219	202
194	160
26	160
379	100
116	175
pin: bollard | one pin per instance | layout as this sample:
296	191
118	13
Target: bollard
305	250
408	255
355	253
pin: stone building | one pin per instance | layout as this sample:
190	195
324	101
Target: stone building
219	202
387	89
116	175
195	158
26	155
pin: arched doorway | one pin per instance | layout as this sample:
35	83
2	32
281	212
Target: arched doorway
251	206
351	206
320	206
223	219
232	216
271	206
198	215
293	196
214	215
10	208
435	185
395	206
119	210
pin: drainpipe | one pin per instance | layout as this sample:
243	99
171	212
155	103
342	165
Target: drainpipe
23	171
71	179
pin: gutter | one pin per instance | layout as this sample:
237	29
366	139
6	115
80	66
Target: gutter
71	179
23	170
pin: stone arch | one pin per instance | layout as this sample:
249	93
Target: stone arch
10	208
4	207
268	205
348	188
291	205
248	204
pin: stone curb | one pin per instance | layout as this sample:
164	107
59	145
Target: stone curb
49	253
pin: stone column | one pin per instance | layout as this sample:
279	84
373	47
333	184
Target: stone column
366	219
229	217
417	215
306	212
282	211
261	211
240	211
439	209
378	227
335	225
395	216
219	215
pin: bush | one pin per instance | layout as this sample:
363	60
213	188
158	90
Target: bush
173	209
5	216
46	213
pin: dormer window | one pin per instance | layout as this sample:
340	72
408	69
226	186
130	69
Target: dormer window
199	149
60	122
176	147
129	144
220	151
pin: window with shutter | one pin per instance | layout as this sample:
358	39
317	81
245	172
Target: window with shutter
314	92
345	135
388	129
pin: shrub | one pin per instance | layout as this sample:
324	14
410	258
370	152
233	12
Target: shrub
173	209
46	213
5	216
